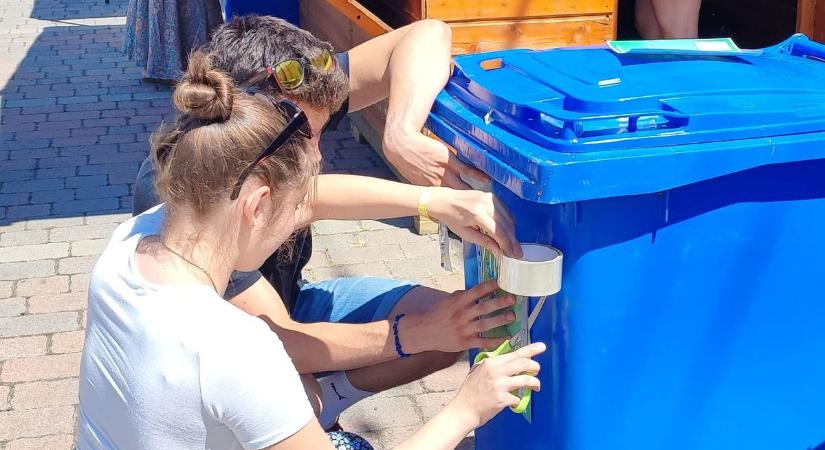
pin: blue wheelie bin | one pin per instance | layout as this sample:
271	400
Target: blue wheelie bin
687	192
288	10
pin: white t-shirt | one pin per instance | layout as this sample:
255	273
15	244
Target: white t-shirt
178	367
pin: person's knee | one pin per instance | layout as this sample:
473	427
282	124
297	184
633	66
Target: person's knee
313	391
435	27
418	300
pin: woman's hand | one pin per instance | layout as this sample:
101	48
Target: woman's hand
477	217
489	386
454	324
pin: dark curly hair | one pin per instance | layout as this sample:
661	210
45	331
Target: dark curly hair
248	44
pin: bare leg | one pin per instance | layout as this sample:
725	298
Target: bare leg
646	23
678	18
394	373
313	391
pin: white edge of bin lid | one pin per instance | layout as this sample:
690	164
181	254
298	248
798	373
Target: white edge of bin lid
536	274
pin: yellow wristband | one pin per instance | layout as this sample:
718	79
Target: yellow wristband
424	203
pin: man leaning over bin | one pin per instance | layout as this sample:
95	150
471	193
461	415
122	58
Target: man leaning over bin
409	66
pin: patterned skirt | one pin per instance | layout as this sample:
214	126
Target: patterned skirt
160	34
343	440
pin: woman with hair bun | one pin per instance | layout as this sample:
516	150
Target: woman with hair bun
167	363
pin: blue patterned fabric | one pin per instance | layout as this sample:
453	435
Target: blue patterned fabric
160	34
343	440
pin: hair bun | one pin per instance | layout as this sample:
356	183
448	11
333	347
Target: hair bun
204	92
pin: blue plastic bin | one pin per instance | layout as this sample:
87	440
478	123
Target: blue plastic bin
288	10
687	192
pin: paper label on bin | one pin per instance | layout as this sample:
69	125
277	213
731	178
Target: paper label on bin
678	46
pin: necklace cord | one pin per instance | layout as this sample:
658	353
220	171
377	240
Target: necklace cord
205	272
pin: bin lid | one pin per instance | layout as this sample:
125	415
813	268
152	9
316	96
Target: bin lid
586	104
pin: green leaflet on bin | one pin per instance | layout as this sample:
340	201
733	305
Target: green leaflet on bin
488	270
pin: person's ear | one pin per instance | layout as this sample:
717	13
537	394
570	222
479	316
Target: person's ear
257	207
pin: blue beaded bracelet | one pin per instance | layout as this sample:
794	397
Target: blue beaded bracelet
398	350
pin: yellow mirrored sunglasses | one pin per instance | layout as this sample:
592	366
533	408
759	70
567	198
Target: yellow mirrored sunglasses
289	73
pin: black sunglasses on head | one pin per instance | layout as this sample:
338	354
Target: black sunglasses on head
298	123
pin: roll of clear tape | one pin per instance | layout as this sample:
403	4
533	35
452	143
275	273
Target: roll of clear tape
536	274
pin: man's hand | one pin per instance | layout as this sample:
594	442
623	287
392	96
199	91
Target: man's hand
454	324
426	161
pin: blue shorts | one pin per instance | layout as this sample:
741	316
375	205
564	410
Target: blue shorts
349	300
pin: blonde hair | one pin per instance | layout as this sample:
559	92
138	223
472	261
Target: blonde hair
220	131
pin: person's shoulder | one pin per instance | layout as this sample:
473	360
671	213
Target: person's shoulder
147	223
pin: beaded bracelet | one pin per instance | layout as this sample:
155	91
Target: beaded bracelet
398	350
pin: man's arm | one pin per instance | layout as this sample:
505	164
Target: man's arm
453	325
318	347
475	216
409	65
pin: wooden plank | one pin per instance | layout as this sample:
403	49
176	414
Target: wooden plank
327	23
396	13
474	37
462	10
360	16
819	21
805	16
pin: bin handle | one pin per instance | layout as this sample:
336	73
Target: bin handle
802	46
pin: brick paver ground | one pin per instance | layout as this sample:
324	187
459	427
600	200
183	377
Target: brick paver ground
74	122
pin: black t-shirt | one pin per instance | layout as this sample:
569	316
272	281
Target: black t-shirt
282	269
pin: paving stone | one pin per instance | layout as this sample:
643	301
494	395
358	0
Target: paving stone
409	389
102	191
108	218
32	324
76	264
28	423
6	289
323	227
60	195
79	282
432	402
54	222
26	269
31	186
449	379
28	211
87	206
397	235
21	347
419	267
43	394
40	368
68	342
351	270
371	414
334	241
51	442
51	250
15	238
451	282
72	301
20	198
387	224
43	286
14	306
371	254
82	232
5	398
88	247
